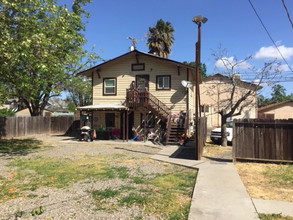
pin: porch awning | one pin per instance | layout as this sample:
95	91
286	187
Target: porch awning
103	107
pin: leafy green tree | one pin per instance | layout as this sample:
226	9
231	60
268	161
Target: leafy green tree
79	92
79	87
202	68
278	94
40	40
161	38
263	100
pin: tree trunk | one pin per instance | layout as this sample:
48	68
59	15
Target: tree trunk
224	131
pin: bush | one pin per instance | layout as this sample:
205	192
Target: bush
6	112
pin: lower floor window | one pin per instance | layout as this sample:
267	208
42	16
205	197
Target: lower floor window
110	120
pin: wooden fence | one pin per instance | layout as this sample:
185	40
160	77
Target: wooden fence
22	126
203	135
263	139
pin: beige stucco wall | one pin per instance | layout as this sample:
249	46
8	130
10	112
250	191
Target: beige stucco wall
284	111
216	94
26	113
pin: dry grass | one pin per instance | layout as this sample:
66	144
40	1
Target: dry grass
211	149
261	181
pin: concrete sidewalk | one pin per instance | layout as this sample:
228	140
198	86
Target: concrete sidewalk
219	192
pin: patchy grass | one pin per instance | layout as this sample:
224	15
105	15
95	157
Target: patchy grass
36	172
281	175
20	145
166	195
274	217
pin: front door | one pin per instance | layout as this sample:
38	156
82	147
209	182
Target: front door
142	82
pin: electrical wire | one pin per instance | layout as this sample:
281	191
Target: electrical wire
269	35
288	15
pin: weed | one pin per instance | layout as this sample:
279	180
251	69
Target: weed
31	195
122	172
138	180
133	198
37	211
19	214
273	217
280	174
104	194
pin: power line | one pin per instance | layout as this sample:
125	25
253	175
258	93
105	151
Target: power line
288	15
269	35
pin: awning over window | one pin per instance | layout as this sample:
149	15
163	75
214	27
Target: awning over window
103	107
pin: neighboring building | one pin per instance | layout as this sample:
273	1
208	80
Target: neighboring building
281	110
215	94
54	107
137	92
26	113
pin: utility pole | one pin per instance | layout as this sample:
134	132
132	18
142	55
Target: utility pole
198	20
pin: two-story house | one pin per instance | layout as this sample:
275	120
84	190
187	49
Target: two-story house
216	93
138	95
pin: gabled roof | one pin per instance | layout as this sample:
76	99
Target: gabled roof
218	75
274	105
135	53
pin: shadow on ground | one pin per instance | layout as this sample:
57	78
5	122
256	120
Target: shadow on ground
189	153
19	147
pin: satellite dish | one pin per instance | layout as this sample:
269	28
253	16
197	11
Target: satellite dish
186	84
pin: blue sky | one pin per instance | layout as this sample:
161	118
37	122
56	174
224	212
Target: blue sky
231	23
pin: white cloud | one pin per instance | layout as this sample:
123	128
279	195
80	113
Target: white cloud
271	52
229	62
283	68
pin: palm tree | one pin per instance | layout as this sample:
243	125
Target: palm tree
160	38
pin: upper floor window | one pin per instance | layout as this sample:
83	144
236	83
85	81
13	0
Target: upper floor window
109	86
164	82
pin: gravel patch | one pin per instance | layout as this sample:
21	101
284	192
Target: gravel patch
75	201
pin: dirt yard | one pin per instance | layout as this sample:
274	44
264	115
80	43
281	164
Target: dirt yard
59	177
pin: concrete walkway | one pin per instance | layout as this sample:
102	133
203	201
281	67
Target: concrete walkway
219	192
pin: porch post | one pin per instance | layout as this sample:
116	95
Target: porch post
127	125
123	122
144	126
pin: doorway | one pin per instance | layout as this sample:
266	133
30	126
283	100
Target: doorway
142	82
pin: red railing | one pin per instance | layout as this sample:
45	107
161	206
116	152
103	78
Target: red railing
145	99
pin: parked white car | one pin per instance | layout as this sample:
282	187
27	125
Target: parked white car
216	133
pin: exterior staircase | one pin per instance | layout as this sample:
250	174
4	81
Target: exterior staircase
174	133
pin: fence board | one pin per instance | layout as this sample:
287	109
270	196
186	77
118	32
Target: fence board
21	126
263	139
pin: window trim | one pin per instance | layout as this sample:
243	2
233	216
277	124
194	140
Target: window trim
157	82
137	67
115	87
